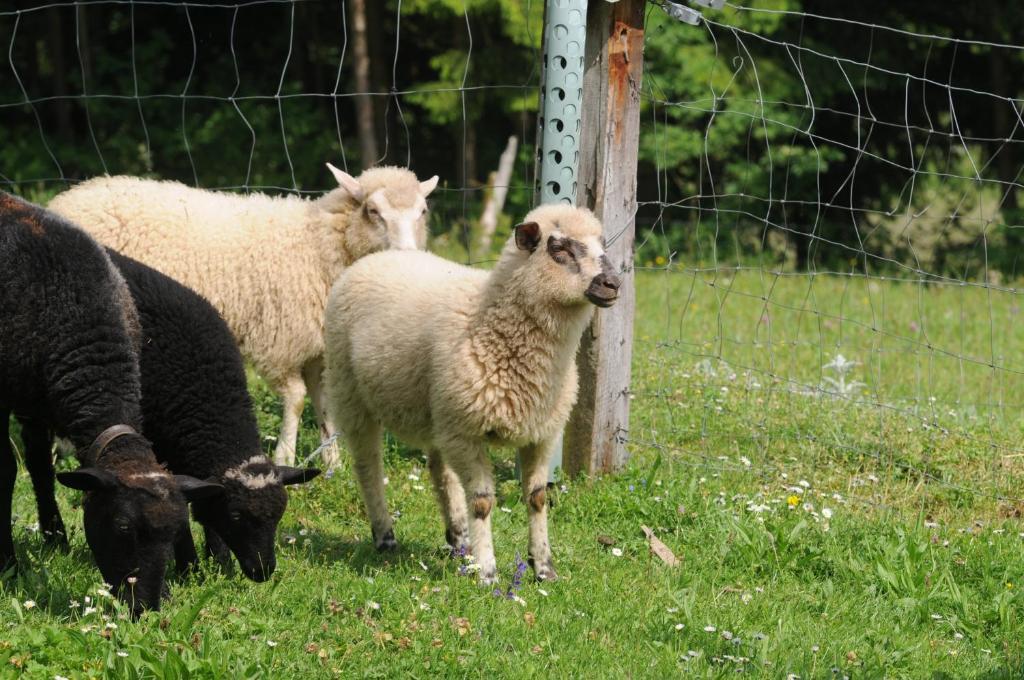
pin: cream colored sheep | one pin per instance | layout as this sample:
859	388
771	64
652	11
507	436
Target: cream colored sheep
266	263
453	360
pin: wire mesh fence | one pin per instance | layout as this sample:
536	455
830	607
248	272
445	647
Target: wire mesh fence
257	95
828	248
827	232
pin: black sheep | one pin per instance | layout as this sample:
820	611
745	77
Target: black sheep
68	365
197	412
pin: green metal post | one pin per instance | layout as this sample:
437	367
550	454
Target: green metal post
558	123
561	98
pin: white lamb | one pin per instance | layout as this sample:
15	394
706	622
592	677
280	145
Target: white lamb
453	360
266	263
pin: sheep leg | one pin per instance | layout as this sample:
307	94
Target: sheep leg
535	459
293	392
473	467
217	549
8	472
312	374
185	557
452	499
364	442
38	442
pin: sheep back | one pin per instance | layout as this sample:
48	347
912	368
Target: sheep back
256	258
195	402
66	352
402	335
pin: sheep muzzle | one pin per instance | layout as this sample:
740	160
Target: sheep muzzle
603	290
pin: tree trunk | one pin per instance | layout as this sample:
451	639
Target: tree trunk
499	190
380	66
60	74
469	151
364	100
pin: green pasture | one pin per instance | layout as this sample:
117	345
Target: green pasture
831	520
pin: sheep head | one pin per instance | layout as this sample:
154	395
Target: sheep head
246	515
384	208
132	511
559	254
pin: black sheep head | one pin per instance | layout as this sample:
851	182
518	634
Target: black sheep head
132	518
248	511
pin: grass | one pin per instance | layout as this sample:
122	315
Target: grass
874	533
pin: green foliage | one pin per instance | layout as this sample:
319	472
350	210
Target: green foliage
760	130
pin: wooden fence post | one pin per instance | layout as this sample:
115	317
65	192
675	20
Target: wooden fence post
597	431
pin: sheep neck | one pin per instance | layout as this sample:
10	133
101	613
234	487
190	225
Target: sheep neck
331	249
525	346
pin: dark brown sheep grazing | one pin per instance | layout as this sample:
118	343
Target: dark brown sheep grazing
197	412
68	366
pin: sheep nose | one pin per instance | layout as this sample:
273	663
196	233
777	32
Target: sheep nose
260	570
611	281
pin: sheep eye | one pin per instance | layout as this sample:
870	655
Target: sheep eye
123	528
372	211
236	516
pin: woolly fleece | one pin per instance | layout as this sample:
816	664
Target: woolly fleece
198	414
453	359
265	263
68	365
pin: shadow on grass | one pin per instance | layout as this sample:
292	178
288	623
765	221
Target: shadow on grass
35	579
360	556
997	674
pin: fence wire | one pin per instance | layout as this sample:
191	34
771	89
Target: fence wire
258	95
827	254
828	221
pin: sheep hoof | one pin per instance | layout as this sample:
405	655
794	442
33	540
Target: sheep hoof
544	571
387	542
56	540
458	542
8	565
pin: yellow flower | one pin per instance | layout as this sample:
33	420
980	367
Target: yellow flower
660	260
793	501
1009	586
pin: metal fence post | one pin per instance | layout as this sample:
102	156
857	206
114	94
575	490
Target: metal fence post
561	100
558	121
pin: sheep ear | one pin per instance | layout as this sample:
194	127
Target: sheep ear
527	236
87	479
348	183
428	185
196	489
294	475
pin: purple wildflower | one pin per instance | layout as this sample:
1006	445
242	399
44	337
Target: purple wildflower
460	553
517	581
517	577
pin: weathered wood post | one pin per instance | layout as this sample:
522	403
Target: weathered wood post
596	435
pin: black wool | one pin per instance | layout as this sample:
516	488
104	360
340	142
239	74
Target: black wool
197	412
195	402
69	366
